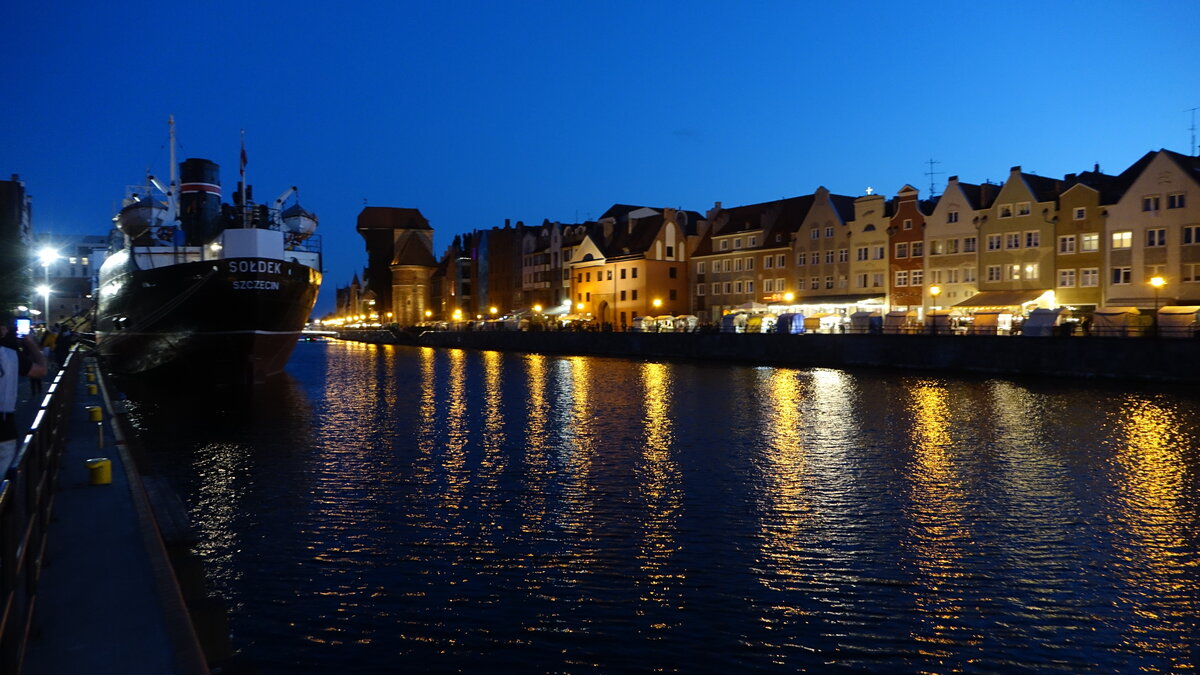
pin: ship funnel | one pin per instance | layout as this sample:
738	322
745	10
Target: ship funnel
200	200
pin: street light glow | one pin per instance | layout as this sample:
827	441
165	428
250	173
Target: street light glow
47	255
1158	282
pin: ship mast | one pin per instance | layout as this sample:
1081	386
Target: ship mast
173	194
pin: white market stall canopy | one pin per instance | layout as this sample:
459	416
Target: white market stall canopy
1178	320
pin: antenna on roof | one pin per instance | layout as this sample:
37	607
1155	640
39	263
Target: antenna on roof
1192	148
931	173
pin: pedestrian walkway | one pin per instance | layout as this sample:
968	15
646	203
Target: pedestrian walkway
107	600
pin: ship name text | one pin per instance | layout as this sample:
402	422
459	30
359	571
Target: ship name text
256	285
267	266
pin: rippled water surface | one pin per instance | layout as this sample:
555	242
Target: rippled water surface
414	509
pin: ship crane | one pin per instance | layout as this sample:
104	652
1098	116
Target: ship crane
284	197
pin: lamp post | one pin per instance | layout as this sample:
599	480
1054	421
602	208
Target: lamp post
1157	283
934	292
47	255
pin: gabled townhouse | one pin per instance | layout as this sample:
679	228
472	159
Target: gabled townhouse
1016	238
952	241
1080	241
868	250
1154	231
821	250
726	261
538	275
906	240
633	263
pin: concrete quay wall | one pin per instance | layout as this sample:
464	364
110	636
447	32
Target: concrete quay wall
1140	358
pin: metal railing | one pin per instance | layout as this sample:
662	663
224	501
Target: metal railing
26	501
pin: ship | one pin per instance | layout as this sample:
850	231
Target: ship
203	288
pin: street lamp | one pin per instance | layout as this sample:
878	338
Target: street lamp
1157	283
934	292
657	303
47	255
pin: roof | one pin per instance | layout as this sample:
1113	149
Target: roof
1002	298
391	218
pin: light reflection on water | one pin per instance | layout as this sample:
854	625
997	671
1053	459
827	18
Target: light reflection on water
407	508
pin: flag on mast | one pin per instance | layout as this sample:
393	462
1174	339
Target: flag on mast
243	151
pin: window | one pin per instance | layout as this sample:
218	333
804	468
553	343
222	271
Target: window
699	269
727	265
716	289
878	252
1033	239
1066	278
1191	234
815	234
841	281
623	294
952	217
753	240
901	278
861	281
829	282
968	274
779	287
608	276
633	273
699	290
829	232
1032	271
877	280
1089	242
935	276
737	243
1121	275
1089	277
1175	201
1012	240
1079	213
1152	271
738	265
918	249
1066	244
1156	237
588	277
1150	203
829	256
781	261
768	285
749	263
589	297
1013	271
1191	273
1006	210
952	276
815	283
1023	209
801	259
993	273
724	244
861	253
579	279
670	251
843	255
749	289
672	272
768	262
902	250
993	242
907	223
937	247
917	278
728	288
737	287
968	244
1123	239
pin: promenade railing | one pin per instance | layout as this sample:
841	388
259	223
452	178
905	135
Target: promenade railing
26	502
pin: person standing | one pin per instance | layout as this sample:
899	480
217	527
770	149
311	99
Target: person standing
18	357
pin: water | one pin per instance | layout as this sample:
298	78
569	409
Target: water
405	508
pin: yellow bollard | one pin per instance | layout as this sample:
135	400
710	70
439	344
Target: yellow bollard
91	377
100	470
95	414
91	390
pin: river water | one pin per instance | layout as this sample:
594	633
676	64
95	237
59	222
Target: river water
401	508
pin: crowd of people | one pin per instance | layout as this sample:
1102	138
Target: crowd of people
34	357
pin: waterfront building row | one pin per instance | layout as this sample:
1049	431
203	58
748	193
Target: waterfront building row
1082	241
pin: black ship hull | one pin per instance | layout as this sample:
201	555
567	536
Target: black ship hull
230	321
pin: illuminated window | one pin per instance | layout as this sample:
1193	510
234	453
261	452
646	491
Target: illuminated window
1123	239
1089	242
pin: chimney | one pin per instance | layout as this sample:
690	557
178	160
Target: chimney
1097	167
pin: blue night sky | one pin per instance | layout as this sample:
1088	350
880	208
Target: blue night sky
477	112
